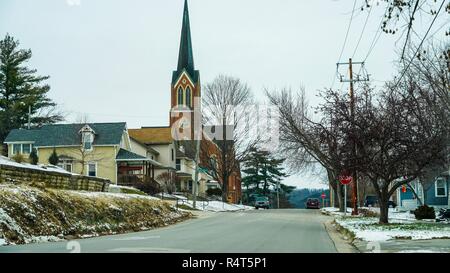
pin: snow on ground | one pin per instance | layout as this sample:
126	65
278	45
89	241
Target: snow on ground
48	168
368	229
113	194
402	225
420	251
335	211
57	213
217	206
171	196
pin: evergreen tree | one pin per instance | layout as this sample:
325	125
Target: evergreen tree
53	159
261	168
34	157
21	89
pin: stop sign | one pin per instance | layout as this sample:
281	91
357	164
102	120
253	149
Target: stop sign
345	179
323	196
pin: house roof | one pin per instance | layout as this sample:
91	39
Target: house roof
68	134
152	135
150	149
125	155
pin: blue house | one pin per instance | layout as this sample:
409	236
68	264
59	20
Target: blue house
436	194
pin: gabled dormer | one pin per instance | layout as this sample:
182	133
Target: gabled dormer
87	137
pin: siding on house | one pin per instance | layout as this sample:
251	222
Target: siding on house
428	197
104	156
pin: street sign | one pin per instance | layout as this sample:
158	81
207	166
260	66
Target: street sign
345	179
323	196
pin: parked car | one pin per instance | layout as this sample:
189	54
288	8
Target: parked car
262	202
372	201
312	203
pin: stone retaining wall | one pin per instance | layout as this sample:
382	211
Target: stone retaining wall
53	179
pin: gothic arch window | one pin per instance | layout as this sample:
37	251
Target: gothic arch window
180	96
188	97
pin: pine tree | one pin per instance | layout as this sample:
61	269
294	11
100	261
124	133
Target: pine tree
21	89
53	159
34	159
261	168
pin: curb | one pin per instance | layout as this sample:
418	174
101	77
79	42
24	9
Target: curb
340	243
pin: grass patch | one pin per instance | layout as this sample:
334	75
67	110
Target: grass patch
408	226
186	207
344	231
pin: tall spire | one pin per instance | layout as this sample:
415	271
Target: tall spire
185	56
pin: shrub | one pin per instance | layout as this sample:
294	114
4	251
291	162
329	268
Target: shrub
34	157
19	158
425	212
214	191
53	159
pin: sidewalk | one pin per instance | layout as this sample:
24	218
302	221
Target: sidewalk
405	246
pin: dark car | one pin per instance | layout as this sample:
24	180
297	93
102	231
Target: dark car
313	203
262	202
372	201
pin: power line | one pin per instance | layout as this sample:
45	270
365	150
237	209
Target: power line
345	41
410	27
362	32
420	45
375	38
348	31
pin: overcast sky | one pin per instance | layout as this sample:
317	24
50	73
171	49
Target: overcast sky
113	59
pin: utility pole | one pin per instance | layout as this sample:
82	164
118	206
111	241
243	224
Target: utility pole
351	80
197	161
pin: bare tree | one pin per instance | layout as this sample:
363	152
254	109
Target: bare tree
305	142
168	180
398	135
225	101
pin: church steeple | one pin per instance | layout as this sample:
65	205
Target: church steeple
185	87
185	55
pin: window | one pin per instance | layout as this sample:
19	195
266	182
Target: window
188	97
441	187
17	149
26	148
178	164
92	169
180	96
88	138
66	165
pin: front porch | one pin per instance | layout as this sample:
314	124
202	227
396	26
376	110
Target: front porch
137	171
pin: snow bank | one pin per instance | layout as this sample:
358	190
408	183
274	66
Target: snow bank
368	229
217	206
402	225
48	168
171	196
29	214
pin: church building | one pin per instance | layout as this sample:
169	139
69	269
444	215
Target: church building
185	105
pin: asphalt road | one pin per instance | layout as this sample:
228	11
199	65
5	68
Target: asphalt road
272	231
